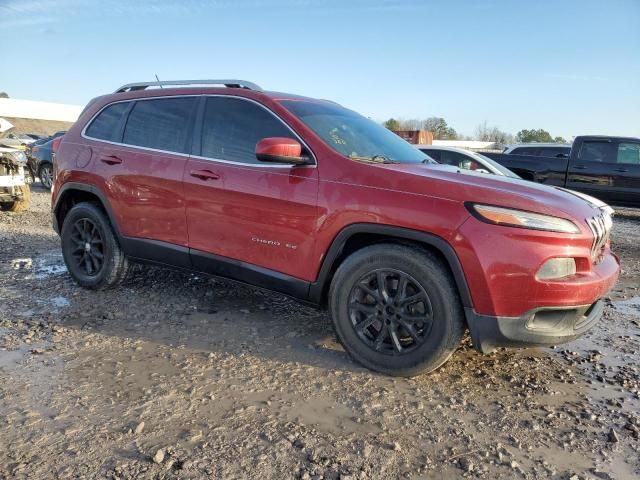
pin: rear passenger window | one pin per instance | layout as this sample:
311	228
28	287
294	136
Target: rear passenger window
232	127
161	124
106	126
629	153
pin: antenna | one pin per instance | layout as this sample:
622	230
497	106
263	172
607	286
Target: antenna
158	80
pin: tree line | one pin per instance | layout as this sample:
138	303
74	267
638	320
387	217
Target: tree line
483	132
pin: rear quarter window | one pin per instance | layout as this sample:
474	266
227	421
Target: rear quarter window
106	126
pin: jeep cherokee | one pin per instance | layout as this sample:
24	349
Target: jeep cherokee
310	199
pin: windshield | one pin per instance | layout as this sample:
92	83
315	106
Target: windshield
353	135
505	171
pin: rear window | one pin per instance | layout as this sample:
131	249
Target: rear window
161	124
106	126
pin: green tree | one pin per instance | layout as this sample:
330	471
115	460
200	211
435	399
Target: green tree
4	95
559	140
527	136
438	126
392	124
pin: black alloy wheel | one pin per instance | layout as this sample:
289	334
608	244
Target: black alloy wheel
390	311
88	252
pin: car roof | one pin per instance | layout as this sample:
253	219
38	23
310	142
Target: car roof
451	149
204	90
544	145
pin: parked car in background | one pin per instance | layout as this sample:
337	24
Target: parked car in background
47	138
15	194
11	139
41	159
559	150
604	167
465	159
308	198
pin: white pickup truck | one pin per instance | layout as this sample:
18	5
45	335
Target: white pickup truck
15	195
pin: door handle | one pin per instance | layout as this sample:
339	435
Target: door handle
204	174
621	170
111	160
580	167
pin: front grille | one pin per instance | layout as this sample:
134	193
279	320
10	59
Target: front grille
600	226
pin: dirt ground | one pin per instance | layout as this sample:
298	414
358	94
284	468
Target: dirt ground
182	376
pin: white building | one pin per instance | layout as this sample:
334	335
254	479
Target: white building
29	116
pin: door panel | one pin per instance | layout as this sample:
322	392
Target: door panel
626	174
259	215
240	208
143	163
608	170
591	171
146	192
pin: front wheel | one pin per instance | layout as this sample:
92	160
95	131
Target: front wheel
396	309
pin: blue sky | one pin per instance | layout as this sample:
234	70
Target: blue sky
570	67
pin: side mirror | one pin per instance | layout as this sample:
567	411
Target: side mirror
280	150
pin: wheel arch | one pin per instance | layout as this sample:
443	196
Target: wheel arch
360	235
73	193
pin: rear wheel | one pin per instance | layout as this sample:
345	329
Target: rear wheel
45	173
90	248
396	309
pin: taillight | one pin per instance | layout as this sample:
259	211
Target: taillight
56	144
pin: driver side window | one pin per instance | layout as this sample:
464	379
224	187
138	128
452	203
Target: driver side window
232	127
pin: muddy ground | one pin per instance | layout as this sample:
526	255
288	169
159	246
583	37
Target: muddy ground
182	376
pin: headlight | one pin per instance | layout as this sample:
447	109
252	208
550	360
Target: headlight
20	157
522	219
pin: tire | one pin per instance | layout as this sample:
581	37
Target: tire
45	173
19	205
87	234
419	305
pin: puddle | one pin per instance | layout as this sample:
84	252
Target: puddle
59	302
22	264
42	267
11	359
628	307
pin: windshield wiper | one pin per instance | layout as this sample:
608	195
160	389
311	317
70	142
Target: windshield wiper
374	159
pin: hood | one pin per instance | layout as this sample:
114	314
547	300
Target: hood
455	184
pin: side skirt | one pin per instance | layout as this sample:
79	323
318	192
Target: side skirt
178	257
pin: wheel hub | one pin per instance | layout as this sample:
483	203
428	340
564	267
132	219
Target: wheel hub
87	247
390	311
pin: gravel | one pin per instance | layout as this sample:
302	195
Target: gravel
182	376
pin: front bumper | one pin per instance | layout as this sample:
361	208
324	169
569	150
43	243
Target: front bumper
542	326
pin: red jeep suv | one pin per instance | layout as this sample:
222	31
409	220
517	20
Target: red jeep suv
308	198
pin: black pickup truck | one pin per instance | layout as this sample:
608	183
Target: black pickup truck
607	168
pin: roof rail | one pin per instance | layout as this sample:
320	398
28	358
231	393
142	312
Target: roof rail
230	83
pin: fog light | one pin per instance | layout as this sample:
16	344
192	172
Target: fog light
557	268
